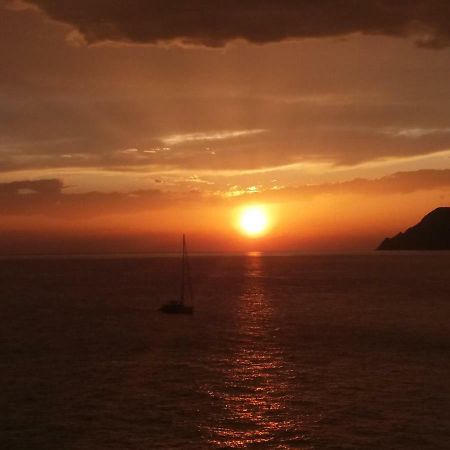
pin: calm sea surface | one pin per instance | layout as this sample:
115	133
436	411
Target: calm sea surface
309	352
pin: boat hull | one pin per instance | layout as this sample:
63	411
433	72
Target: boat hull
176	308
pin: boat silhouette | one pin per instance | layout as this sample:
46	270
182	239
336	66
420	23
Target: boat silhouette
179	306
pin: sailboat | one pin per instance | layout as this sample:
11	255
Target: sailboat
179	306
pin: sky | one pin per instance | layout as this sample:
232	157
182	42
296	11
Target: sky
126	123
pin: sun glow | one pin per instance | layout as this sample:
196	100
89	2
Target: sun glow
253	221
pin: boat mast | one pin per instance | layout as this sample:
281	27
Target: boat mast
188	274
182	269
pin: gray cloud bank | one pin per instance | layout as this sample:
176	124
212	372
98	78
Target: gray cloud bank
214	23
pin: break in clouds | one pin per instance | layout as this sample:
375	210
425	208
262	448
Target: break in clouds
214	23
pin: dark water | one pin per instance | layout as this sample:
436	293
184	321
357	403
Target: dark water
312	352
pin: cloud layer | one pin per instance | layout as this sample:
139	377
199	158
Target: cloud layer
47	197
214	23
153	109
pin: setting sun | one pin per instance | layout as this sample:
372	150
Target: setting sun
253	221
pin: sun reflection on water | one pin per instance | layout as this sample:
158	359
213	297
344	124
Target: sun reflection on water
259	382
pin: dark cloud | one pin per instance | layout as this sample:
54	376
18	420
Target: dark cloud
47	197
44	187
214	23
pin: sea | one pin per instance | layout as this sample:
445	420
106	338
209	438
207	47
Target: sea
299	351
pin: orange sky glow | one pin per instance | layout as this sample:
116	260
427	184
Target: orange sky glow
114	140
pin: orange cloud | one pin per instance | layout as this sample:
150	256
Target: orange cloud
47	197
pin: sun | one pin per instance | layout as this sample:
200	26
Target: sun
253	221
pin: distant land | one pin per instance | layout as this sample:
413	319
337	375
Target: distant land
431	233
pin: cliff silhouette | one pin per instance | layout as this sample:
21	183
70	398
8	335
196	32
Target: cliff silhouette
431	233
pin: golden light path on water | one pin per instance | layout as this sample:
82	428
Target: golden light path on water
259	381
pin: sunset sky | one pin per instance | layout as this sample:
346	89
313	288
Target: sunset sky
126	123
